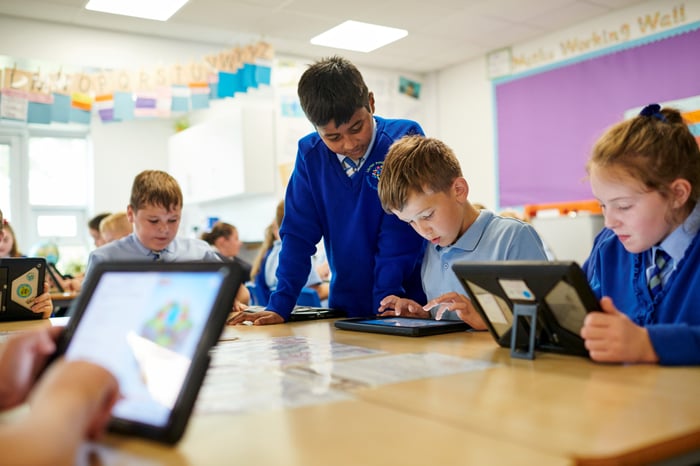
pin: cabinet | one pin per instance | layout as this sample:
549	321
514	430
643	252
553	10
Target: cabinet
228	155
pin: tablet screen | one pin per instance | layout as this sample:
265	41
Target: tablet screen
152	323
407	322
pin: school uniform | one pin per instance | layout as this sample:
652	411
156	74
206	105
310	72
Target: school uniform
672	317
372	254
266	279
489	238
130	248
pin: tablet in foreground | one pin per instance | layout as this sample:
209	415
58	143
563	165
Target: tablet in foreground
152	326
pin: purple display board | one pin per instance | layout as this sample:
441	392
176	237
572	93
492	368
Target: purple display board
548	122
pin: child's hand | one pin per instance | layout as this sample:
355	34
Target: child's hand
394	306
461	305
22	357
255	318
611	336
43	304
80	388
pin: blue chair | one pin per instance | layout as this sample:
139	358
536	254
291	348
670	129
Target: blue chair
308	297
253	290
260	292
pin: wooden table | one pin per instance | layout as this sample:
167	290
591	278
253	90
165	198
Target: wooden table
553	410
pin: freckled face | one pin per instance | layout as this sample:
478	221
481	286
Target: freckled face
638	217
155	226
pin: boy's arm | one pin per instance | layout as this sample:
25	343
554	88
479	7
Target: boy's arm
397	261
300	232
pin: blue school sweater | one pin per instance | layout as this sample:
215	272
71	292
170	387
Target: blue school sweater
673	318
371	254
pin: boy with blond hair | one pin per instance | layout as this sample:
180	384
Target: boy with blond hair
115	226
154	210
422	184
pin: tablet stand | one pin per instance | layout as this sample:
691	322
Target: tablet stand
521	311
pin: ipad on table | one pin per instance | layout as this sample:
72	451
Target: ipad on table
556	294
303	313
21	280
405	326
152	325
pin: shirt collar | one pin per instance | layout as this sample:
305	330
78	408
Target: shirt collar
470	238
148	252
678	241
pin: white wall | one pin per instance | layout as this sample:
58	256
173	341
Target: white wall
465	123
456	105
121	151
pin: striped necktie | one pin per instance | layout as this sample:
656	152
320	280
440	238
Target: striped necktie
156	256
351	167
661	261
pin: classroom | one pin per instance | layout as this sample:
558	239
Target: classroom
520	91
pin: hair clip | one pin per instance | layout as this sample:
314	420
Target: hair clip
653	110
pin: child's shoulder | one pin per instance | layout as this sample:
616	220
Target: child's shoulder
398	126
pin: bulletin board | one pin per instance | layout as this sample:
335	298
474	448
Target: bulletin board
546	123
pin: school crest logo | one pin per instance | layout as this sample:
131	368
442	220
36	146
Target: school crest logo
373	173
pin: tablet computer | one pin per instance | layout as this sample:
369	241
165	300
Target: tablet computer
304	313
54	278
508	294
152	325
21	280
405	326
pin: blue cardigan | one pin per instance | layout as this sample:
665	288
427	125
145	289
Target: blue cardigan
371	254
673	318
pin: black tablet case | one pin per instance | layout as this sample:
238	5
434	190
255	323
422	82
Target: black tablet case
21	279
179	418
411	328
541	277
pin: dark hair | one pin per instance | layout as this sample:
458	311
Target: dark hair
412	165
94	222
155	188
219	230
654	149
332	89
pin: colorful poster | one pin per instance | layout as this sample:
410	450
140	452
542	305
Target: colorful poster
14	105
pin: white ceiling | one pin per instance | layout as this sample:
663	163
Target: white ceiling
441	32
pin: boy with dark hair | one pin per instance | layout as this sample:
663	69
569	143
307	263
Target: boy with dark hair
332	194
94	228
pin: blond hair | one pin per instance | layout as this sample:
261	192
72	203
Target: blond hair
415	164
268	240
655	148
116	225
155	188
